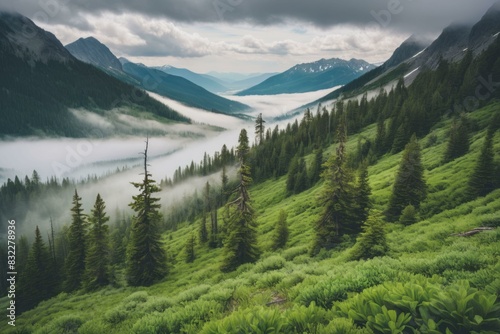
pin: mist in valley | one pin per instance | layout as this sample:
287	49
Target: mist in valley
118	161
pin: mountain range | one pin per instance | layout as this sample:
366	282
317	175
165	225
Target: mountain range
176	85
322	74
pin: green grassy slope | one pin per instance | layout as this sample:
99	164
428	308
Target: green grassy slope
289	290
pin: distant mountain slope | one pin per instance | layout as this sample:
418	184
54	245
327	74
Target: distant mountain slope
180	89
408	49
201	80
451	45
41	81
311	77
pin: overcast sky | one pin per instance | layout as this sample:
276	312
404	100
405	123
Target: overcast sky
247	35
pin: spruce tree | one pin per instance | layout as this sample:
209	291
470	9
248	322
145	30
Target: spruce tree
293	170
240	245
482	180
409	186
337	198
458	142
315	171
146	261
97	262
75	261
372	241
189	249
280	234
363	192
35	282
259	129
203	233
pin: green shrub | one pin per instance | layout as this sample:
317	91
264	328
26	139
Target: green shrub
66	324
302	319
343	326
460	308
257	320
93	327
269	280
177	319
137	297
274	262
158	304
492	220
116	315
293	252
455	260
372	242
408	216
291	280
193	293
222	296
302	259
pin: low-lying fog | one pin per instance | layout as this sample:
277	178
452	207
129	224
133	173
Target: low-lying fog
78	158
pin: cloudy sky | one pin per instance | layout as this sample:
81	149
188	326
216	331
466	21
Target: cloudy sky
247	36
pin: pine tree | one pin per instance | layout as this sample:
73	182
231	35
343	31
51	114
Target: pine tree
146	261
315	171
259	129
97	262
459	142
75	262
483	178
381	137
35	282
293	170
336	199
240	245
372	241
301	179
363	192
280	234
189	249
203	233
409	186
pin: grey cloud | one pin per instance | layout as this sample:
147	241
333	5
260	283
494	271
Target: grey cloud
406	15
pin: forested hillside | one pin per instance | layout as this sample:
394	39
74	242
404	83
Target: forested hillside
37	90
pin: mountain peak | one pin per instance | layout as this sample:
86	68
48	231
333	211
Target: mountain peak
22	37
92	51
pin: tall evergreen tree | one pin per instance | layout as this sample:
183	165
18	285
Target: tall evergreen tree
381	137
337	197
189	249
146	261
363	192
97	262
484	177
203	232
458	142
409	186
240	245
280	233
259	129
293	170
35	282
315	171
75	262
